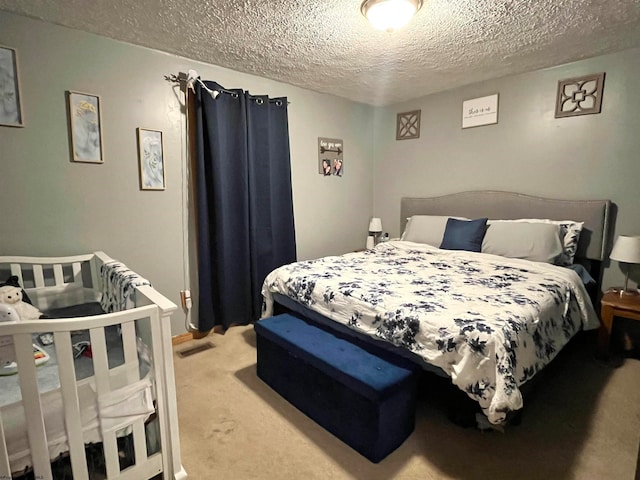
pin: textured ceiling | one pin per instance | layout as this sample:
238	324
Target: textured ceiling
328	46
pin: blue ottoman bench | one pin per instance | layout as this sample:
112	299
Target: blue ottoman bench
364	400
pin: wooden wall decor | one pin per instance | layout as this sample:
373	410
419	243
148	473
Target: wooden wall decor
580	96
330	156
408	125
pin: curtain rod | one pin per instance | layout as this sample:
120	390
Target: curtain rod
190	78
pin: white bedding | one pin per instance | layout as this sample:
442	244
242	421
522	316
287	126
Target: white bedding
489	322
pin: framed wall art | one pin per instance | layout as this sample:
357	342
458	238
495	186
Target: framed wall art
85	127
10	100
408	125
579	96
480	111
151	158
330	156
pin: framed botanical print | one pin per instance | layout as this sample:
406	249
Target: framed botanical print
151	158
10	99
86	127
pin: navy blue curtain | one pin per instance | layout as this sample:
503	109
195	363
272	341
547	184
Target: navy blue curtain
244	201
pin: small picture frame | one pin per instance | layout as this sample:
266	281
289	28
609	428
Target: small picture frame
85	127
151	158
338	166
10	99
326	167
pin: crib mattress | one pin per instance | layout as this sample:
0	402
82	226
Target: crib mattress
48	372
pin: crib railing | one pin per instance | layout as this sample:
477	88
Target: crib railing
105	381
165	375
53	282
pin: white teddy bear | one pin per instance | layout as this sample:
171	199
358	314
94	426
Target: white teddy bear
12	296
8	313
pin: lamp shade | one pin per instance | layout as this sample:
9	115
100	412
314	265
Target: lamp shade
390	15
375	225
626	249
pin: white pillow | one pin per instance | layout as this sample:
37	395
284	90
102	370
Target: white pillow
539	242
569	236
427	229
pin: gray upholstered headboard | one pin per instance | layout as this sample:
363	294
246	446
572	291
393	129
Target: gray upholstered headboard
596	214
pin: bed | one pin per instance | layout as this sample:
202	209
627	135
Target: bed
105	395
487	321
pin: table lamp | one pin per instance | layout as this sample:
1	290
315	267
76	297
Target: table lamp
626	250
375	229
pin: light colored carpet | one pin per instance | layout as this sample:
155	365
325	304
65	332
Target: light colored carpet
582	421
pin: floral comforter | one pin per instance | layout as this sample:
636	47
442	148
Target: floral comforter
488	322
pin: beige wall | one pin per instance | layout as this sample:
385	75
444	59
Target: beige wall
56	207
528	151
52	206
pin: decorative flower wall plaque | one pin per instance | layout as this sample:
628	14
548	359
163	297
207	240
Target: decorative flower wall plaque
580	96
408	125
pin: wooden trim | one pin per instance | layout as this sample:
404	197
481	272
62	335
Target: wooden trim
185	337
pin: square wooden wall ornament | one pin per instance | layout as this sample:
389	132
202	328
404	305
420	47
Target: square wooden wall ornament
408	125
580	95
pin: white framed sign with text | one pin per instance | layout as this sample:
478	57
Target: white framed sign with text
480	111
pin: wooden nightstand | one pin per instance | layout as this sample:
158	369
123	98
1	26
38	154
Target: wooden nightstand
614	305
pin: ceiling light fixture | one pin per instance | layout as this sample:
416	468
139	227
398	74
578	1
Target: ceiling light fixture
390	15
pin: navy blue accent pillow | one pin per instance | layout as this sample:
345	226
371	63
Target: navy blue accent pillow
582	272
464	234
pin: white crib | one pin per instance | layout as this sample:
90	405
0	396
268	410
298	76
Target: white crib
87	410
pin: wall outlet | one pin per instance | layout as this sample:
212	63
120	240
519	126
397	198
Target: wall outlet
185	298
